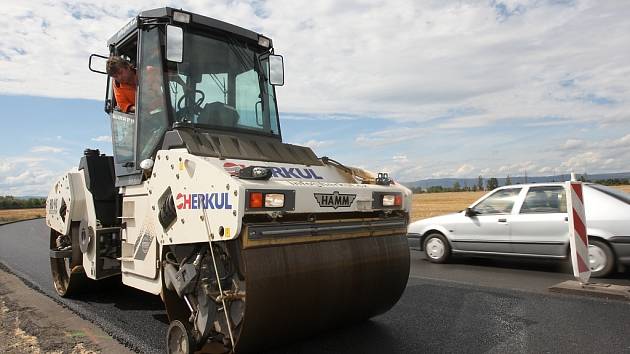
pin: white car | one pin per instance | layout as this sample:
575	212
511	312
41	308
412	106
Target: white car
530	220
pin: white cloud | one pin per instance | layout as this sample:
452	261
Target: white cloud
47	149
22	177
400	159
572	144
623	143
30	175
316	144
103	139
390	136
464	170
580	162
5	166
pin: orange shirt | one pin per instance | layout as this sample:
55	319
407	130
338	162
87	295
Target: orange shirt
125	95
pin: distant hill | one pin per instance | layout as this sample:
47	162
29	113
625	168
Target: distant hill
463	182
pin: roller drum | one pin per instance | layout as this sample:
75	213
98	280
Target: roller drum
296	290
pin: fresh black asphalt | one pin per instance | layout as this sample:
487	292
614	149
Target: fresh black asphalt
432	316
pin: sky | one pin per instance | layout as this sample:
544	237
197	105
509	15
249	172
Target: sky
419	89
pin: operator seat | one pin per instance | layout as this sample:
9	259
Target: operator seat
218	113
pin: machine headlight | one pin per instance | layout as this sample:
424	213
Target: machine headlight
274	200
181	17
386	200
264	41
254	172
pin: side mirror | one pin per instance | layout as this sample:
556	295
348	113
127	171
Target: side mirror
98	63
469	212
174	43
276	70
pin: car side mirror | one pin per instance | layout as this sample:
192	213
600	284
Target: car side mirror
469	212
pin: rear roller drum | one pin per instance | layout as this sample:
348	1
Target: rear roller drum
66	265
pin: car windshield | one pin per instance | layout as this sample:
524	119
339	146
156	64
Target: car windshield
222	84
615	193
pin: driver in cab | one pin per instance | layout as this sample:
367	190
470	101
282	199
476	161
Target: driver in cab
125	83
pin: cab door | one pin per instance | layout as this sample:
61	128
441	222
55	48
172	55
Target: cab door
488	230
124	125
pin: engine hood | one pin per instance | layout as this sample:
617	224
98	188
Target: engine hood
420	225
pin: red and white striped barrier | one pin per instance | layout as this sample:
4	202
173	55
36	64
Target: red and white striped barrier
577	232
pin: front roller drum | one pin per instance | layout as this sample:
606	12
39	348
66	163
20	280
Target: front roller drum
296	290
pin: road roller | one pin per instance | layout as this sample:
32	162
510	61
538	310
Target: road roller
249	241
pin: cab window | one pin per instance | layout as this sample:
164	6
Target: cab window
122	137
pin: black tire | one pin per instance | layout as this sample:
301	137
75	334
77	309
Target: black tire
436	248
602	251
179	339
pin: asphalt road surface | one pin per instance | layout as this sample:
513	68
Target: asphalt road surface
482	306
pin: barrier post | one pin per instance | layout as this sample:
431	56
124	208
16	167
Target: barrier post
577	232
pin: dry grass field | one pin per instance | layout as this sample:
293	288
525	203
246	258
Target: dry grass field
624	188
427	205
10	215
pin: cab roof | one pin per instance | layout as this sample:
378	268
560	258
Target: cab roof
166	13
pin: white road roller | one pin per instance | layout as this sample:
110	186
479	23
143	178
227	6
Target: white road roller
249	241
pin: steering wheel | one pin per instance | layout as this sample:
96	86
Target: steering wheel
196	108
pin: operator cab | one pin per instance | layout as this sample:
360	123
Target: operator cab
194	73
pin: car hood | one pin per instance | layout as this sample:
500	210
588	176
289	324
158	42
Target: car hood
418	226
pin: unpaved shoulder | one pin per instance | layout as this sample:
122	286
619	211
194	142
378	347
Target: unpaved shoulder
31	322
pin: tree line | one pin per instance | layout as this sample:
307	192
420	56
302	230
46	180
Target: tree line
493	182
10	202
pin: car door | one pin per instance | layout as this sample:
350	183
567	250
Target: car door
541	226
487	229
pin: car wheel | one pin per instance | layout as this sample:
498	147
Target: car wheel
600	258
436	248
